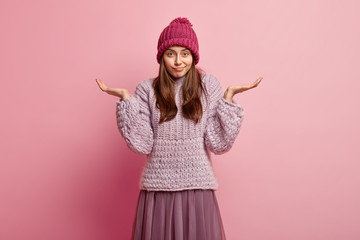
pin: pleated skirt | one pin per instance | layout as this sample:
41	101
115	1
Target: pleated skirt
178	215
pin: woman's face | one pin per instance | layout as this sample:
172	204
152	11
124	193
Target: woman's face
177	60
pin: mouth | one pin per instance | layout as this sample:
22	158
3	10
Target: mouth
179	69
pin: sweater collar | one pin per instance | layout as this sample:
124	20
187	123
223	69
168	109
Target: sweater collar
180	79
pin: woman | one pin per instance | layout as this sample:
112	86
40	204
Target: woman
177	119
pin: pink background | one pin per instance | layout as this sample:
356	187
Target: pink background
293	172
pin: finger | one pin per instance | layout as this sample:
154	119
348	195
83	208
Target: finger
101	85
98	81
257	82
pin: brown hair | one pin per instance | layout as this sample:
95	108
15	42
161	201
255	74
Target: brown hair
192	89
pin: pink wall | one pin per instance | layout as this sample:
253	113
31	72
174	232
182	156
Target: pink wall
65	171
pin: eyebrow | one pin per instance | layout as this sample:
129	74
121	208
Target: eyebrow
181	49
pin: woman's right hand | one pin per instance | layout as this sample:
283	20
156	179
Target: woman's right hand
122	93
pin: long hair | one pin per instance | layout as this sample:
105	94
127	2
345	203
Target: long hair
164	88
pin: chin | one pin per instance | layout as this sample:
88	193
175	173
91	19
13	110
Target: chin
178	74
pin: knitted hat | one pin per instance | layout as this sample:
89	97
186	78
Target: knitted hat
178	32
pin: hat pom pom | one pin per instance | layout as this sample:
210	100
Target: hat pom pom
181	20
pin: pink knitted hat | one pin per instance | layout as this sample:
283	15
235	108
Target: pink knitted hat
178	32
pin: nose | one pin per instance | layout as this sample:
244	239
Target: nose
177	60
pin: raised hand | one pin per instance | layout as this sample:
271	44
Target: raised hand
122	93
232	90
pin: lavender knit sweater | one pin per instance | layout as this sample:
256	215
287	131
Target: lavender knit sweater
177	150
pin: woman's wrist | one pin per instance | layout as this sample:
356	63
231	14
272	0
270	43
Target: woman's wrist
126	96
228	95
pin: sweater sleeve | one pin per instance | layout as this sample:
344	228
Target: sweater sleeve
134	120
223	121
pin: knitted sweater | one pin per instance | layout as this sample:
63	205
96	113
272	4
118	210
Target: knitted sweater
177	151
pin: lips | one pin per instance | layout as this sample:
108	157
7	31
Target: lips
179	69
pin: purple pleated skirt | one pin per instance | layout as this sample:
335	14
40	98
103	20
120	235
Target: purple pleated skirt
178	215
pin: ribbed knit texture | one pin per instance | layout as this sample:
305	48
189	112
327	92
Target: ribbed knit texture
178	156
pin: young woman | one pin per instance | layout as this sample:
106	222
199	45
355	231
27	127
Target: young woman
177	119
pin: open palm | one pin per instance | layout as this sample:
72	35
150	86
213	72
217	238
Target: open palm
232	90
122	93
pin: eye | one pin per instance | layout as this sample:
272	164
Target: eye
170	54
186	53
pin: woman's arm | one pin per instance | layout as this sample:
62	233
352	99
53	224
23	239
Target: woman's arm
134	120
225	116
133	116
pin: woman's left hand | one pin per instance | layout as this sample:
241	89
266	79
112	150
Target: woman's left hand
232	90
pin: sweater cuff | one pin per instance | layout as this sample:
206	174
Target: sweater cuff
225	104
126	102
128	110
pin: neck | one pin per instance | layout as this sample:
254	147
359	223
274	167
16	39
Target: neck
180	78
